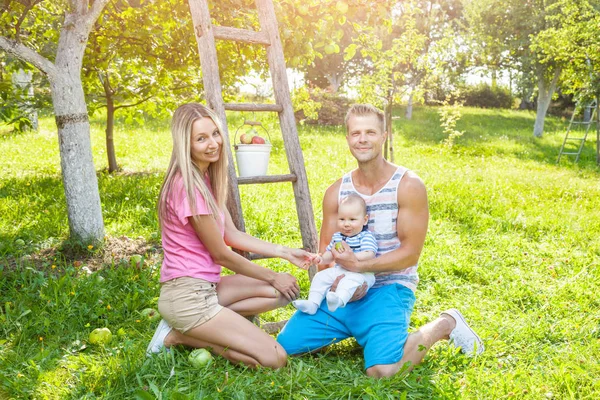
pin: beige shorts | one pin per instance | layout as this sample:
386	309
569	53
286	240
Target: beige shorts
186	303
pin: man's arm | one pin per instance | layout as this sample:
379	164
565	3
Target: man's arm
413	219
364	255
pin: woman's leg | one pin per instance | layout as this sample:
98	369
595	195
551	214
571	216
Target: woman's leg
235	338
248	296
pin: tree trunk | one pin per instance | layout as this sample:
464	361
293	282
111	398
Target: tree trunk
110	125
409	106
110	143
24	80
77	165
335	81
389	143
545	92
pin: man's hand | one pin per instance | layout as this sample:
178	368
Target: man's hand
346	258
359	293
287	285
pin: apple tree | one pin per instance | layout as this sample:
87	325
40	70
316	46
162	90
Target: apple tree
516	35
52	37
576	45
150	57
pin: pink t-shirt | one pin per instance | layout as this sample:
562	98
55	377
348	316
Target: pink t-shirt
184	253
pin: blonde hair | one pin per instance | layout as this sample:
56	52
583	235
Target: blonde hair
182	165
353	199
365	109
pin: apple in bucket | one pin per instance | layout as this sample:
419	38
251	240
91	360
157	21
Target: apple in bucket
246	138
258	140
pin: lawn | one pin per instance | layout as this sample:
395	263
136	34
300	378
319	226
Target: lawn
513	241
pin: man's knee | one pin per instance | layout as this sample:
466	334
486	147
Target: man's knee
382	370
286	341
292	343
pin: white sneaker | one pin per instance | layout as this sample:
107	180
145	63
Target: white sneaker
158	340
463	336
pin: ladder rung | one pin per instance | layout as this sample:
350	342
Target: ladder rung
240	35
273	327
253	107
575	138
267	179
583	123
569	154
254	256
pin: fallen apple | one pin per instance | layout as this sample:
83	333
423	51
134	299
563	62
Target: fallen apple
199	357
136	260
246	138
339	247
150	314
100	336
20	242
258	140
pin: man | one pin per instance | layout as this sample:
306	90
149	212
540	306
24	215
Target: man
398	216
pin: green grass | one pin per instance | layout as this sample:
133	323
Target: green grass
514	242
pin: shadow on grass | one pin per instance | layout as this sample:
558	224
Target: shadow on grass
497	133
35	215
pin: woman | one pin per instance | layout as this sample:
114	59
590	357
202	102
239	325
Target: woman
200	308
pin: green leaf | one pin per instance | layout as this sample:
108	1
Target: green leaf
143	395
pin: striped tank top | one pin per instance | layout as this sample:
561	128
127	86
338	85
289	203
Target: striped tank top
382	208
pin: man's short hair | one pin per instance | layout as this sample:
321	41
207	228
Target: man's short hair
365	109
354	198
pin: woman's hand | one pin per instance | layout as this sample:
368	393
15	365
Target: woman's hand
316	260
287	285
300	258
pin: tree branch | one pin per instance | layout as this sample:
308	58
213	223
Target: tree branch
22	18
93	13
134	104
26	54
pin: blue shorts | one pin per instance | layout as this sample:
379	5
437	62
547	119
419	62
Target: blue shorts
379	322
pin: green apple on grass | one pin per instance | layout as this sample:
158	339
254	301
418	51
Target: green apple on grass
199	357
100	336
150	314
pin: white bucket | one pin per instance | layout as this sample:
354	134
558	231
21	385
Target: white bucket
252	159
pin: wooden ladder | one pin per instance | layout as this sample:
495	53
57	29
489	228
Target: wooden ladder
590	111
268	36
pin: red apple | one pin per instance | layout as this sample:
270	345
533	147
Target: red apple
258	140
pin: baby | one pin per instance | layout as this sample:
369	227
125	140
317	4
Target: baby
352	226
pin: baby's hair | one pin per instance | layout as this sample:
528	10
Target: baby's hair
355	199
